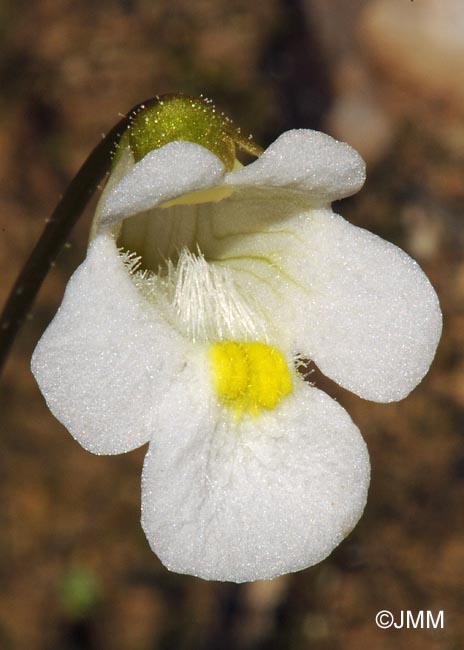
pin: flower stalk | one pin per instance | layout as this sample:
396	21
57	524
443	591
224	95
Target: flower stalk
56	232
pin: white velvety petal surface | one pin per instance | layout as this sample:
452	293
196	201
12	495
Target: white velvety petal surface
163	174
108	357
250	500
120	169
306	161
371	320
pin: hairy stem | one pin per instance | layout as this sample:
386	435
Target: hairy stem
57	230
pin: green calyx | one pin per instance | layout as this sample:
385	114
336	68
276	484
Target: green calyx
170	118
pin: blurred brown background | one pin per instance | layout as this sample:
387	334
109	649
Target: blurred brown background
388	77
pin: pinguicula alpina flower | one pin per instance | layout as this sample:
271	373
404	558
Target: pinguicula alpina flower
204	284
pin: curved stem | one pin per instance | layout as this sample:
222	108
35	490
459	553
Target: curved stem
57	231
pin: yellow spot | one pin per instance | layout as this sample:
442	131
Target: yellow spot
249	377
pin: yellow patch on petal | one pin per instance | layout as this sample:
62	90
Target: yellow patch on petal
213	195
249	377
200	196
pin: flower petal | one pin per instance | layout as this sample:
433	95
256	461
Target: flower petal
250	500
371	319
305	161
163	174
121	167
357	305
108	356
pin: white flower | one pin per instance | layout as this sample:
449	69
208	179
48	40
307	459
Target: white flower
183	327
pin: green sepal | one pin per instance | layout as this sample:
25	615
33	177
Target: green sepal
174	118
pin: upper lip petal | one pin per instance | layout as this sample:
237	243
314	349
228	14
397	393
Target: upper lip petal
164	174
310	162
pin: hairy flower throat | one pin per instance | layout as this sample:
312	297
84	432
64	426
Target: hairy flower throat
249	377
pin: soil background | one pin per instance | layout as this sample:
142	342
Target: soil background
75	569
